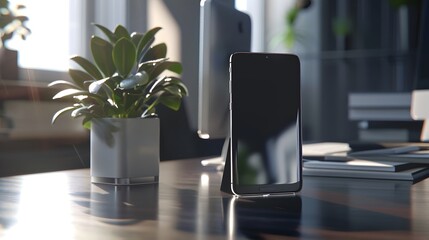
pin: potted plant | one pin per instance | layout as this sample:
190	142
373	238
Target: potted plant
11	23
116	96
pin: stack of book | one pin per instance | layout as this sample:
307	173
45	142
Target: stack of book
366	169
374	165
380	106
384	117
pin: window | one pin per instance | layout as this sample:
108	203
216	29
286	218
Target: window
255	9
47	47
60	29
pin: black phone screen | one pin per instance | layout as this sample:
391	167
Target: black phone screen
265	123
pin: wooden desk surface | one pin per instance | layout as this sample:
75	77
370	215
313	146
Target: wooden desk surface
187	204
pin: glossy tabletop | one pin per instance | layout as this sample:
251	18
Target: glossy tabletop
187	204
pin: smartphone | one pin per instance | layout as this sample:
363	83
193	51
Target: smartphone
265	124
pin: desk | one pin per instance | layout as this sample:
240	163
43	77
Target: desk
187	204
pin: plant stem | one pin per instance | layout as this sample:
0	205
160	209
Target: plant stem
150	107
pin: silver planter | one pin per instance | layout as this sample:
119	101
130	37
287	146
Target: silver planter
125	151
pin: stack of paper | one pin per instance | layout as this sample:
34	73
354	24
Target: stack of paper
366	169
378	164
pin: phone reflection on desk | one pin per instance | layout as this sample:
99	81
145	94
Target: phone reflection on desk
254	218
272	159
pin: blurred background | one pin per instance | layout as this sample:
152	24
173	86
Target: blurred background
350	51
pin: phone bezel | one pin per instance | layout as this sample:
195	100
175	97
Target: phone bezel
263	189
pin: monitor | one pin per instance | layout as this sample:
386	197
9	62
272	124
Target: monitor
223	31
420	93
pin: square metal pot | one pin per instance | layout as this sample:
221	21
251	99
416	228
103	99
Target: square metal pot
125	151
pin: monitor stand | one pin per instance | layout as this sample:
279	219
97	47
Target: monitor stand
218	162
424	134
226	177
223	163
420	111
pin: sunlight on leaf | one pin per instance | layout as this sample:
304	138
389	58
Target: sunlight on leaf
63	82
69	93
95	86
140	78
60	112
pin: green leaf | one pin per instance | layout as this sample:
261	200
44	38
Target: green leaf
86	122
102	53
82	111
96	109
161	83
124	56
155	84
148	66
114	81
101	84
139	78
136	38
177	82
175	67
292	15
121	32
173	90
172	66
95	86
146	41
165	82
79	77
107	32
150	109
88	66
157	51
63	82
145	49
91	100
60	112
150	34
149	113
69	93
171	101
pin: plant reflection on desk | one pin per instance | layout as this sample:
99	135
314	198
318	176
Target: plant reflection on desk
259	217
121	205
